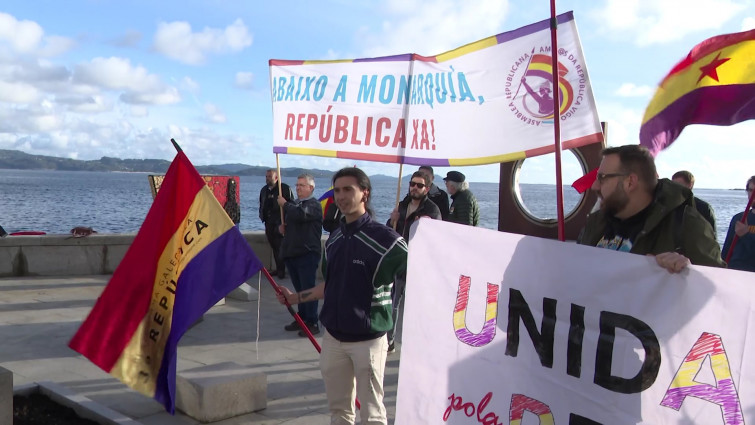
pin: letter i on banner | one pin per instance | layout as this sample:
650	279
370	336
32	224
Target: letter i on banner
723	393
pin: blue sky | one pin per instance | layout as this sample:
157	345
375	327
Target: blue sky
91	78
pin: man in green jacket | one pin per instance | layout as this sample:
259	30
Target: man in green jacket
464	209
644	215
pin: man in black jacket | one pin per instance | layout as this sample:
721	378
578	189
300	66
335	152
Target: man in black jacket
301	247
414	206
271	216
434	193
686	179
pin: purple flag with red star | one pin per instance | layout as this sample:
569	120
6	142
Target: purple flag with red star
714	84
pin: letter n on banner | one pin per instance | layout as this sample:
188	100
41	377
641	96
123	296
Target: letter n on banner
724	393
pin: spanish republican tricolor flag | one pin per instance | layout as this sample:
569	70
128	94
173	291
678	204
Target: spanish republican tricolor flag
186	257
326	199
714	84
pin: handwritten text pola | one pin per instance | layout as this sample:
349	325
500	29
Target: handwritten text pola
512	329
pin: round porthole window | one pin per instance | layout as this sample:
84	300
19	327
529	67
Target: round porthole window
534	186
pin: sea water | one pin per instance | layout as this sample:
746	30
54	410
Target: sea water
56	201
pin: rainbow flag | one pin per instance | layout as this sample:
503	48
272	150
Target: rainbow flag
326	199
186	257
714	84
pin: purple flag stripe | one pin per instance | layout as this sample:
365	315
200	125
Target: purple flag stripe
224	264
716	105
533	28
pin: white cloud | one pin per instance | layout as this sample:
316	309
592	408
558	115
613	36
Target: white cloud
177	41
432	27
138	111
214	113
18	92
88	104
23	36
55	45
28	37
167	96
47	122
748	23
115	73
632	90
245	80
656	22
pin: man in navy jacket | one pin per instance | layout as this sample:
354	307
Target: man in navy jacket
361	259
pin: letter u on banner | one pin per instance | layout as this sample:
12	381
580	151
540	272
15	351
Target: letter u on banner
463	334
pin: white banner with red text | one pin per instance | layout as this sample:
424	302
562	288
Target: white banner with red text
510	329
487	102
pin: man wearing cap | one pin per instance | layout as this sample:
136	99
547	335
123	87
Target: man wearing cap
464	209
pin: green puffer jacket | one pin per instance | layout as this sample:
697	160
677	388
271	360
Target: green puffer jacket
464	208
695	239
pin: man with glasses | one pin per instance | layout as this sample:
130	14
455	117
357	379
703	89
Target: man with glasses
743	255
302	246
644	215
436	194
415	205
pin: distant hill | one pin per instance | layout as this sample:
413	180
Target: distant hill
17	160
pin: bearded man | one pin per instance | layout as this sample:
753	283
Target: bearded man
644	215
414	206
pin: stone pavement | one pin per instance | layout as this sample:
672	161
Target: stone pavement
38	316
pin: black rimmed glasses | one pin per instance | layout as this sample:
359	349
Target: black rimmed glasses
419	185
603	176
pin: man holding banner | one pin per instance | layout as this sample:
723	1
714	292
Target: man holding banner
270	214
643	215
743	250
361	259
417	204
301	247
434	193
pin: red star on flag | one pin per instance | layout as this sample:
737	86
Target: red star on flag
709	70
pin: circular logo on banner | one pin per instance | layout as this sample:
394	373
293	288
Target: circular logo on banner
529	86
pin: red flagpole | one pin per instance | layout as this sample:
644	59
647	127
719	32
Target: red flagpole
557	122
296	316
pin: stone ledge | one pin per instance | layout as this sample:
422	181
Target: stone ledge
220	391
6	396
83	406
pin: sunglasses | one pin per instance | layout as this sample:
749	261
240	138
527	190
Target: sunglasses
419	185
603	176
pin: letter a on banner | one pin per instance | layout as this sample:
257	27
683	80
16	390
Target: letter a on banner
724	393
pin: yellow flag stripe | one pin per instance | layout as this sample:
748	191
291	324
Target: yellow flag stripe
140	362
739	69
